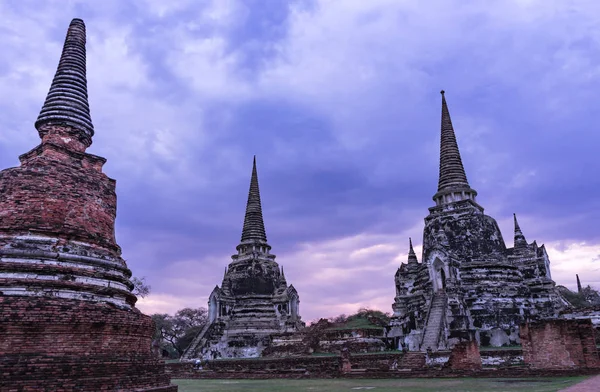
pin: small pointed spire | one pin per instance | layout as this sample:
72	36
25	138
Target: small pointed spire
254	226
579	288
412	257
282	273
452	172
67	100
225	274
520	241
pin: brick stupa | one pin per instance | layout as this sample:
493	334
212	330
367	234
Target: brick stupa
67	314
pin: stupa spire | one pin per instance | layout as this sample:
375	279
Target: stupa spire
452	172
254	226
67	101
452	185
412	257
283	281
520	241
579	288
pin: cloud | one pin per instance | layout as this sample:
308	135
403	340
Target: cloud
574	258
339	101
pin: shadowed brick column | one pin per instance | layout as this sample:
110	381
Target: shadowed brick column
465	356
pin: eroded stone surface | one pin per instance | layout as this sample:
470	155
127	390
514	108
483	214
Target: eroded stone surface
327	337
468	281
254	301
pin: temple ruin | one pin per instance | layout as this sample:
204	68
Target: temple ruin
67	314
468	283
254	301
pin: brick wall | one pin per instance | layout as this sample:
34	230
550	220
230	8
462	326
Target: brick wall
51	344
559	344
465	356
409	364
313	365
295	367
376	361
59	191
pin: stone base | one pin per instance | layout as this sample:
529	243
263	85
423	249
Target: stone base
56	344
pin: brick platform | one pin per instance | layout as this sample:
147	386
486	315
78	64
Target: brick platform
62	345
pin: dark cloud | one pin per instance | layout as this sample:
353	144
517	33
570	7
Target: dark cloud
340	104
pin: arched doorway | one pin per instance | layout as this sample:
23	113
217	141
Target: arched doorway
439	275
213	309
294	308
443	278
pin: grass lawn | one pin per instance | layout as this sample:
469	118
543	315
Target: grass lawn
408	385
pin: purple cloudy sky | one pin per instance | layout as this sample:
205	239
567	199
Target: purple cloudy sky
340	102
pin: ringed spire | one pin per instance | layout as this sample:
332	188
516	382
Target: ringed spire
412	257
452	172
254	226
452	182
67	100
520	241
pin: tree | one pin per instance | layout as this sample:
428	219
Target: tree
338	319
372	316
163	333
175	333
587	297
591	295
187	318
140	287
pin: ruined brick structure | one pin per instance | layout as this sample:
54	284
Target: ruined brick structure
469	282
67	314
327	337
254	301
560	344
465	356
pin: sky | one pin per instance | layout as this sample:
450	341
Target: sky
339	101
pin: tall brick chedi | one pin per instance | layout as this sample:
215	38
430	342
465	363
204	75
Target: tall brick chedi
254	302
67	314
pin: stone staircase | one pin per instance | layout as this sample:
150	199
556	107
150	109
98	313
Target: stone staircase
198	342
435	319
250	320
255	315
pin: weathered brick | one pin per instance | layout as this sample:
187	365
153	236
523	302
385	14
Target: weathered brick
68	320
560	344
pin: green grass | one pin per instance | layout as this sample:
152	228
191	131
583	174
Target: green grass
406	385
